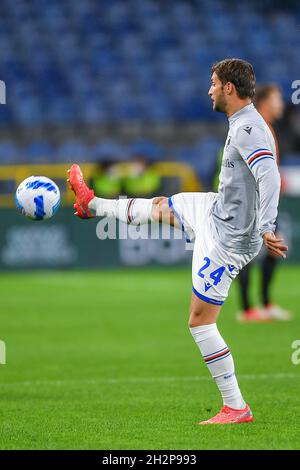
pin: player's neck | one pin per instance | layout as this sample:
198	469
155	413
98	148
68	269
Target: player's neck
237	106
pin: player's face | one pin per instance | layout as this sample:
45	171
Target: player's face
216	92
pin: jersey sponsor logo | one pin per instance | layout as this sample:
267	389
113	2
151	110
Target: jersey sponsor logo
228	163
248	129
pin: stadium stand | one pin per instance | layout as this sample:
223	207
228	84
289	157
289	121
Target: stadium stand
100	62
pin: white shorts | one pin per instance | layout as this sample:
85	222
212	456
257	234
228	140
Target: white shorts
214	267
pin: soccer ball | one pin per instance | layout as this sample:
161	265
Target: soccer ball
38	197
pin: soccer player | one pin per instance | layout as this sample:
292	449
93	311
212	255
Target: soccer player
228	228
269	103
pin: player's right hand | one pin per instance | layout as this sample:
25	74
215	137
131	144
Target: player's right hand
274	245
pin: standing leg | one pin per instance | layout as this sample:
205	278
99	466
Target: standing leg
216	354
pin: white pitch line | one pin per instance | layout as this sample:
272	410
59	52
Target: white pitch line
136	380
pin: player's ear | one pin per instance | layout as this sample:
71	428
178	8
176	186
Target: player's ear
229	88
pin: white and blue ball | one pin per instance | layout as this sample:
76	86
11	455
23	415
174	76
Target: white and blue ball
38	197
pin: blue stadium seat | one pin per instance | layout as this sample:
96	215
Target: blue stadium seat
202	156
10	153
73	150
137	59
110	150
39	151
147	149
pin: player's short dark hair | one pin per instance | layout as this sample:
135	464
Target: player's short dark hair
263	92
240	73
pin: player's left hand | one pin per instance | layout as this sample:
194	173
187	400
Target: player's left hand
275	245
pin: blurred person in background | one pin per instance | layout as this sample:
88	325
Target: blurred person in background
270	105
140	179
133	177
107	181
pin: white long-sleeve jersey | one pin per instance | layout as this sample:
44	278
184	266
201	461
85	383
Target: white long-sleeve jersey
249	184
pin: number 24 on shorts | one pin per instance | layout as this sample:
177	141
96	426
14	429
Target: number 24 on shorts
215	275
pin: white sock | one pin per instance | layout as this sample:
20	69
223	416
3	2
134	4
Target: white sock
133	211
218	359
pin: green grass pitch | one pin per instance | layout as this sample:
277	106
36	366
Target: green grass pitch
104	360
